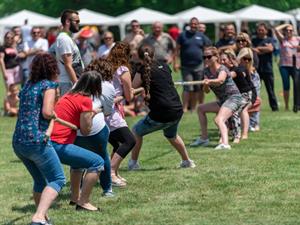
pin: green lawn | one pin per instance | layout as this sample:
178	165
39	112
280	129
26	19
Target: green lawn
257	182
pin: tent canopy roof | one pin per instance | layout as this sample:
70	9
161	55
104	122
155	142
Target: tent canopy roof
257	13
89	17
205	15
34	19
146	16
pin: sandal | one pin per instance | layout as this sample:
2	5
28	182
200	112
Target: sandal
117	182
81	208
122	178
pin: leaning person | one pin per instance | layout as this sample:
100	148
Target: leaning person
217	78
31	137
164	104
76	107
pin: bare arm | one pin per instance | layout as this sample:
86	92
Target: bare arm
127	86
278	31
67	58
48	103
2	66
176	65
137	81
86	119
218	81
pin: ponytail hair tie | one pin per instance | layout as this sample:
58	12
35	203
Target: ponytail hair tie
146	53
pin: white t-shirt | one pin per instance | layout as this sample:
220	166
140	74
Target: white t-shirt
40	43
103	50
65	45
105	102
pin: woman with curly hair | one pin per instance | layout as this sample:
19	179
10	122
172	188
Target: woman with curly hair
96	141
31	137
120	136
164	104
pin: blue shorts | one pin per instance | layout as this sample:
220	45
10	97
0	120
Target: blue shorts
147	126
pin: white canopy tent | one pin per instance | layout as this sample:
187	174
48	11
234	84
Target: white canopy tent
144	16
89	17
33	18
260	13
295	13
205	15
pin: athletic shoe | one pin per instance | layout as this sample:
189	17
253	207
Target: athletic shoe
133	165
108	194
200	142
187	164
223	146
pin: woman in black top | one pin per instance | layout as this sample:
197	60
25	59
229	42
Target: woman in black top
164	104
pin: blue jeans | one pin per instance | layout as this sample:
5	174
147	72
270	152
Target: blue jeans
43	164
98	143
78	158
147	126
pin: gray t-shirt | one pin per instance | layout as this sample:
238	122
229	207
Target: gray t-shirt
65	45
225	90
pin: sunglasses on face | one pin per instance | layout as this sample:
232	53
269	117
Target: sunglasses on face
207	57
246	59
240	40
289	30
107	38
36	32
76	21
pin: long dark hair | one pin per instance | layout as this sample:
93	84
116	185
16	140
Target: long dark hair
43	66
89	84
146	53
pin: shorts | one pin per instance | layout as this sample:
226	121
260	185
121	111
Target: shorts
147	126
234	103
192	74
13	76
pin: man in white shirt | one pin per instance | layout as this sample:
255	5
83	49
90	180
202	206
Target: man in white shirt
104	49
36	45
67	53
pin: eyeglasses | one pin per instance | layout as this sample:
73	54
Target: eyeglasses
241	40
76	21
207	57
246	59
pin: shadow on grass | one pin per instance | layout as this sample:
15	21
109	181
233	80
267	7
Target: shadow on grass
12	222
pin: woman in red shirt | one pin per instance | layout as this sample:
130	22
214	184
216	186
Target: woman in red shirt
76	108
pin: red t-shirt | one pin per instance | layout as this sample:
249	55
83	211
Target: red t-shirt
69	108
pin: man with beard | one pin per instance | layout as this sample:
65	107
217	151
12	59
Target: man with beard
228	41
67	53
190	45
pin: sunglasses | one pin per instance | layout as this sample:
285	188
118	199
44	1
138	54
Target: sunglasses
207	57
289	30
76	21
246	59
107	38
37	32
240	40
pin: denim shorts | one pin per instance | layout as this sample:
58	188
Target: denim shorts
43	164
234	103
147	126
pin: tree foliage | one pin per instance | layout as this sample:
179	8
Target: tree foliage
117	7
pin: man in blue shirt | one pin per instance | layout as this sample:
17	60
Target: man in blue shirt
264	47
228	41
190	45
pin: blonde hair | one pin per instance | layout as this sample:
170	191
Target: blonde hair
246	52
244	36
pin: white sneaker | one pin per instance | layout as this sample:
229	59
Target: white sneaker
187	164
200	142
133	165
223	146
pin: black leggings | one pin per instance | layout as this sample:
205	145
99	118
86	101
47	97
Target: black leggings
122	141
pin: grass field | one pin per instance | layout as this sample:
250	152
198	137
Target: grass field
257	182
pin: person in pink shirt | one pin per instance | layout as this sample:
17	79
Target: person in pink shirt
289	61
